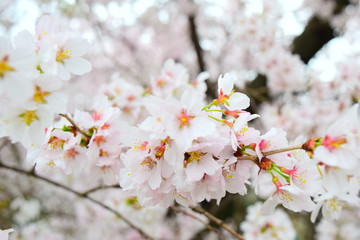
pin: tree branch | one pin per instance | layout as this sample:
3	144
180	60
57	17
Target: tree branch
179	210
86	193
211	88
296	147
80	195
287	149
196	43
75	126
218	221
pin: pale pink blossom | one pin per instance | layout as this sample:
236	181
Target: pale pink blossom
231	100
291	197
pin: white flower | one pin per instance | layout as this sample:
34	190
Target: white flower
267	227
290	197
182	121
69	60
173	76
27	124
16	70
232	101
60	51
332	205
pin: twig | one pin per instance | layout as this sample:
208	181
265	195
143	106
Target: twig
218	222
179	210
34	175
287	149
296	147
196	43
75	126
211	88
86	193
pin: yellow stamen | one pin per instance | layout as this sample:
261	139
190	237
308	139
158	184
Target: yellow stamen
56	143
29	117
39	96
195	156
63	53
4	67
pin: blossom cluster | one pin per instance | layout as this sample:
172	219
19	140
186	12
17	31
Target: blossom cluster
181	149
32	69
166	142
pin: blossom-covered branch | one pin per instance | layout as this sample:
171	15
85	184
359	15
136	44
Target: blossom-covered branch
81	195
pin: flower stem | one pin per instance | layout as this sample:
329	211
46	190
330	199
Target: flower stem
75	126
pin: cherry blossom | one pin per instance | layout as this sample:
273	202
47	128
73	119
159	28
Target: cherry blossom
167	120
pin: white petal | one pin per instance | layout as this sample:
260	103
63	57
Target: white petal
155	178
194	172
78	66
78	47
238	101
269	205
62	72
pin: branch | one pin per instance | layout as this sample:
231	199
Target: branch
179	210
211	88
80	195
86	193
218	221
296	147
255	158
75	126
196	43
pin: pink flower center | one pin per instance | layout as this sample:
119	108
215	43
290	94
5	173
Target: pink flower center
142	146
184	118
160	82
332	143
71	153
103	153
99	140
97	115
264	144
56	143
222	98
105	126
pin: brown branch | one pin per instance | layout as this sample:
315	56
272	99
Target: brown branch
196	43
80	195
195	40
75	126
86	193
281	150
296	147
218	221
179	210
250	157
